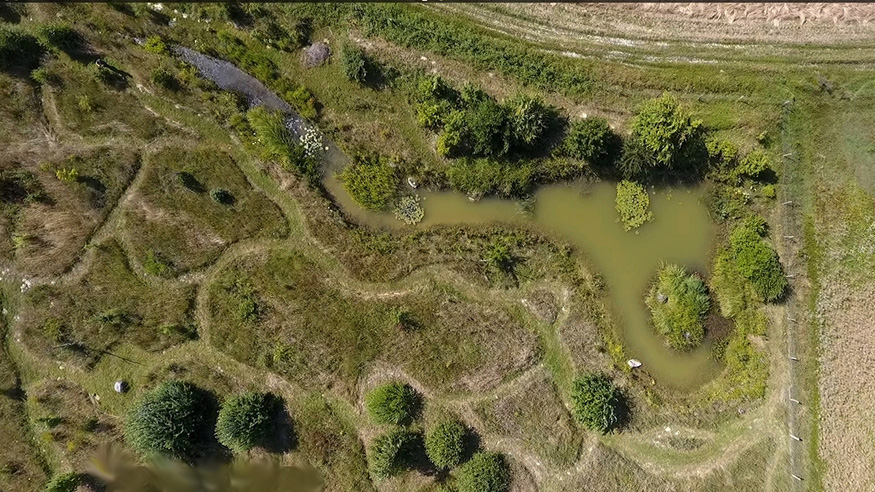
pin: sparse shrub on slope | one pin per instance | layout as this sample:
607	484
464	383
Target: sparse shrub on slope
595	402
485	472
678	303
445	443
168	421
392	403
245	421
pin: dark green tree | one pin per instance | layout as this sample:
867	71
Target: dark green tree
169	421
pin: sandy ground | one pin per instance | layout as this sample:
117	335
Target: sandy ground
847	387
784	22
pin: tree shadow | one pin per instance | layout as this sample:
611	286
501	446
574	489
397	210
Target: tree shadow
8	14
283	438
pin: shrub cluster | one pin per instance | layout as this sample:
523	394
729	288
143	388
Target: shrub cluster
245	421
59	36
633	203
678	303
595	402
666	131
168	421
392	403
484	472
354	63
472	123
445	443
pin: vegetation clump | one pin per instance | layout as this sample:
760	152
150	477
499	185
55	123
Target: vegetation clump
664	138
278	144
756	260
591	140
678	303
445	443
168	421
484	472
370	181
409	210
354	63
391	452
155	44
59	36
18	49
222	196
245	421
595	402
633	203
392	403
66	482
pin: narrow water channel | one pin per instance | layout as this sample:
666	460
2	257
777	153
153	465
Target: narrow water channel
584	213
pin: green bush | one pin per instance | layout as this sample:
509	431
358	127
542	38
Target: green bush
591	140
636	160
59	36
245	421
755	165
486	129
164	78
304	101
445	443
528	120
354	63
390	453
67	482
18	49
485	472
756	260
595	402
665	130
154	44
477	177
371	182
392	403
170	421
632	204
678	303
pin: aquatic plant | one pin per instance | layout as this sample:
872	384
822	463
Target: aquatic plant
409	210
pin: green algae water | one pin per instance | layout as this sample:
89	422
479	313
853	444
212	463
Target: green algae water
681	232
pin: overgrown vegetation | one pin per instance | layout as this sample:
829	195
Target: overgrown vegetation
370	181
390	453
596	402
678	303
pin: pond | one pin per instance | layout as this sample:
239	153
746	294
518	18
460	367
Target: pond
681	232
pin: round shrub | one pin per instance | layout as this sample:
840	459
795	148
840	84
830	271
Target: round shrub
223	196
245	421
445	443
678	303
756	261
391	452
354	63
168	421
485	472
590	140
393	403
528	118
595	402
665	130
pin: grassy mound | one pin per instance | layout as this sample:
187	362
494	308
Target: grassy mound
678	303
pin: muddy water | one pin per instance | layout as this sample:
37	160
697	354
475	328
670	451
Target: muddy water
681	232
